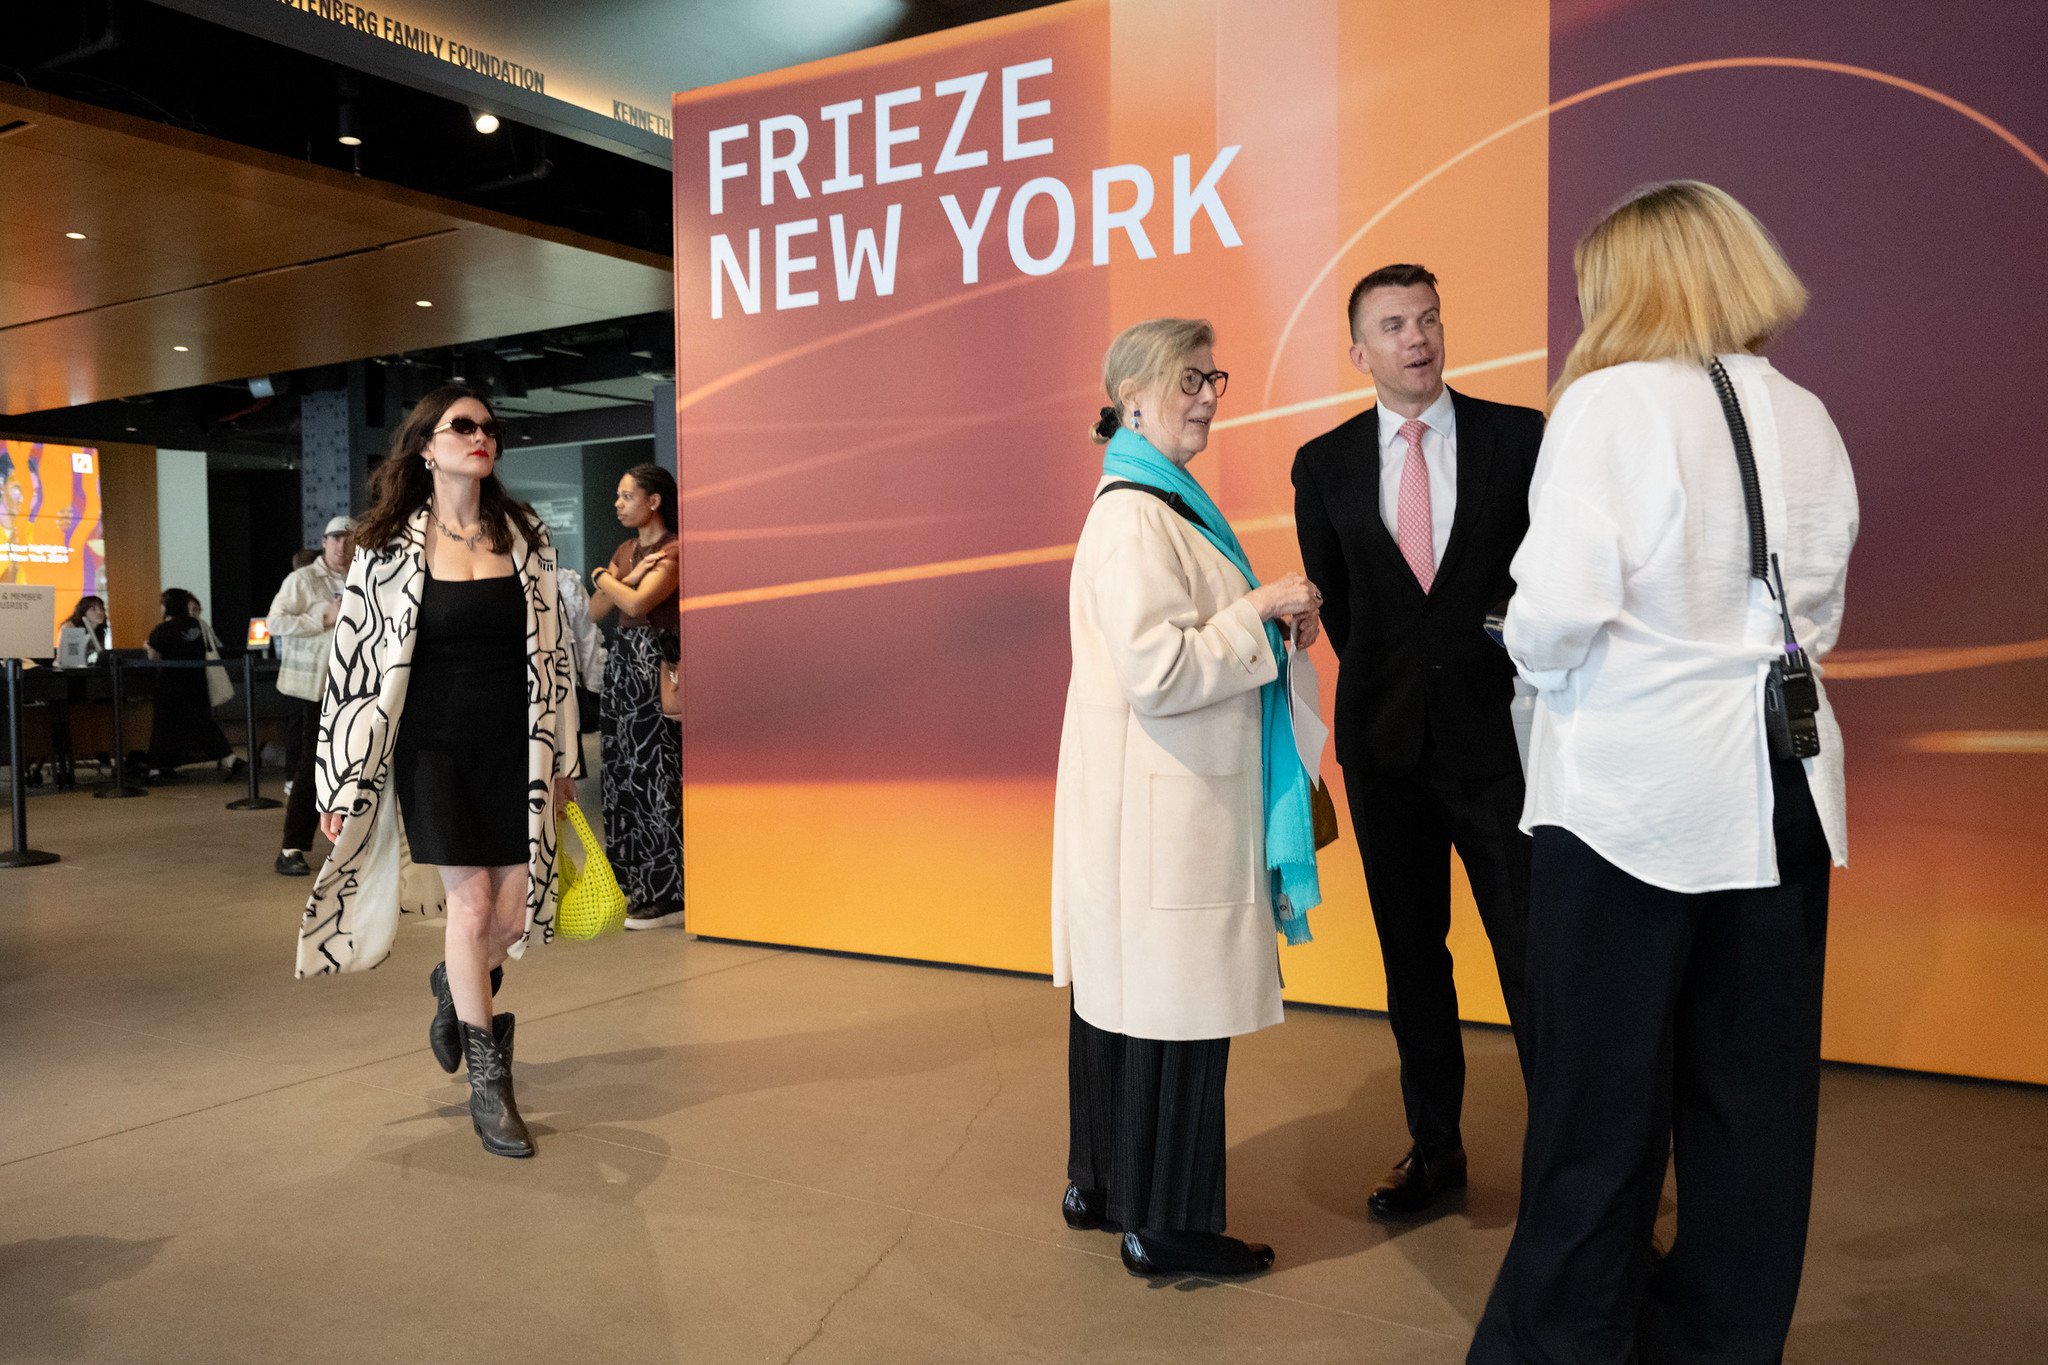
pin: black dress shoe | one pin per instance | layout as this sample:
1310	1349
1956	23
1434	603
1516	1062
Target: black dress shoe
1418	1182
1082	1208
1193	1253
292	864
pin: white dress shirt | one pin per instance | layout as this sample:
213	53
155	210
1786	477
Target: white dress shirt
1636	619
1439	452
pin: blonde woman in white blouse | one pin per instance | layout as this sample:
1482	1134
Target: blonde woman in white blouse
1678	915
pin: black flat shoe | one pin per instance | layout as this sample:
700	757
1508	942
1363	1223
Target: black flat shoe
1420	1180
1082	1208
1193	1253
442	1034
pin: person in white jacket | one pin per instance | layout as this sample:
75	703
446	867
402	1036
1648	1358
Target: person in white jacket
301	621
1165	897
1679	884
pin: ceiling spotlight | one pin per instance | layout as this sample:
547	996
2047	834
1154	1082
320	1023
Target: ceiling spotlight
75	236
484	119
181	348
423	303
348	134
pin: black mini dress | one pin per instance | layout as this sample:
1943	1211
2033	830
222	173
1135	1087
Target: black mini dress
459	768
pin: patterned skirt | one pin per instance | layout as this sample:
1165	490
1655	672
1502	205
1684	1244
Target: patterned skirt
643	774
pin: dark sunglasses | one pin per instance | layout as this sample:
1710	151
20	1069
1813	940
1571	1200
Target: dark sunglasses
1192	379
469	426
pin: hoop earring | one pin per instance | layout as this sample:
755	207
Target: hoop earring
428	463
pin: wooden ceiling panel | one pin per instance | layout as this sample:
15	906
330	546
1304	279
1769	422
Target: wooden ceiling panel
254	263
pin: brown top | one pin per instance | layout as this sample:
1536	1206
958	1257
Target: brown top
663	615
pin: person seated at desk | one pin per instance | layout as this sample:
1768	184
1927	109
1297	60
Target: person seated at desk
83	636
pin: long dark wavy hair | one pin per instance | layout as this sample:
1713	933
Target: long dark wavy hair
657	482
402	484
77	616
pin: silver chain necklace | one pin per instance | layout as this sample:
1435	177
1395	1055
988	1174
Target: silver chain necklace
473	542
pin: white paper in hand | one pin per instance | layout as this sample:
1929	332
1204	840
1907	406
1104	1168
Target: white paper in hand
1304	689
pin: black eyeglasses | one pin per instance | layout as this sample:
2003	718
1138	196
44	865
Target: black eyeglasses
1192	379
469	426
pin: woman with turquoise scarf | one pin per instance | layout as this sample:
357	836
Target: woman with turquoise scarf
1183	845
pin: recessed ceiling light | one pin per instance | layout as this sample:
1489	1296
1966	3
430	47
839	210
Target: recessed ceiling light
484	119
350	141
423	303
181	348
75	236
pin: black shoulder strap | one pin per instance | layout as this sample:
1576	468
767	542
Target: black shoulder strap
1762	563
1745	461
1173	500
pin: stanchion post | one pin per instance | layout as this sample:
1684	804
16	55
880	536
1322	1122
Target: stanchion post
118	786
255	800
21	855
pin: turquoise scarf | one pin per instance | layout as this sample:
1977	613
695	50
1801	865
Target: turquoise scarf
1290	829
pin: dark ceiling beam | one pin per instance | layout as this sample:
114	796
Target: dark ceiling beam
592	426
338	43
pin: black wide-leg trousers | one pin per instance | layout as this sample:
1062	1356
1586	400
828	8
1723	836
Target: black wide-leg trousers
1666	1025
1407	825
301	816
1145	1124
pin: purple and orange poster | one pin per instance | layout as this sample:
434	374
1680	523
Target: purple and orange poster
897	272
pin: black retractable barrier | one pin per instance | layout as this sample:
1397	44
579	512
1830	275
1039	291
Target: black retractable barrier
255	800
21	855
117	785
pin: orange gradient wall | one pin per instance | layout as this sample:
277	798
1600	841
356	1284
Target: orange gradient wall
883	471
879	494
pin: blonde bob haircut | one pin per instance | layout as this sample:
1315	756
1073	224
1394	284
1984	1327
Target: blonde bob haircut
1678	270
1149	352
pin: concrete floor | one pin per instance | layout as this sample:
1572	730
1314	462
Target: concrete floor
756	1155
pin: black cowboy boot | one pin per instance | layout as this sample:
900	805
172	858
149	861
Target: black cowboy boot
442	1035
492	1110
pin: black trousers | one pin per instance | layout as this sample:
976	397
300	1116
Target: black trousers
1666	1025
1145	1124
1407	825
301	821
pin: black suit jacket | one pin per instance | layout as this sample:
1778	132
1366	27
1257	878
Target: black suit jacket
1409	663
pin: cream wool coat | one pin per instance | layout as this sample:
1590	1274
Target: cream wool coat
1162	915
369	878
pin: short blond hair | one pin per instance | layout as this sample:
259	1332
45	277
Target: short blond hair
1678	270
1149	352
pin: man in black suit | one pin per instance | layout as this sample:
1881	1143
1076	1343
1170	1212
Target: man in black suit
1408	515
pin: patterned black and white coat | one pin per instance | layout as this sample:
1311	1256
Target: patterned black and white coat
369	879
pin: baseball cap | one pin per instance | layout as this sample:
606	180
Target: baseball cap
339	526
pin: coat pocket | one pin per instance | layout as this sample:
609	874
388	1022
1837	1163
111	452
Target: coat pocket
1201	842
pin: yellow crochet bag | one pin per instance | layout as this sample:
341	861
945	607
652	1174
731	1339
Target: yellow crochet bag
588	901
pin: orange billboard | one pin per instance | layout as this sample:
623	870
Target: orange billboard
50	531
897	273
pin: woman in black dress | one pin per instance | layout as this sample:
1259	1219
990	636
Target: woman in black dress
462	763
181	726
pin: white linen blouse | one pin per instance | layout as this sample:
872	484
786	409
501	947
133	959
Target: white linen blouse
1635	618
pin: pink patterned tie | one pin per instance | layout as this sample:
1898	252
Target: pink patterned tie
1414	533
